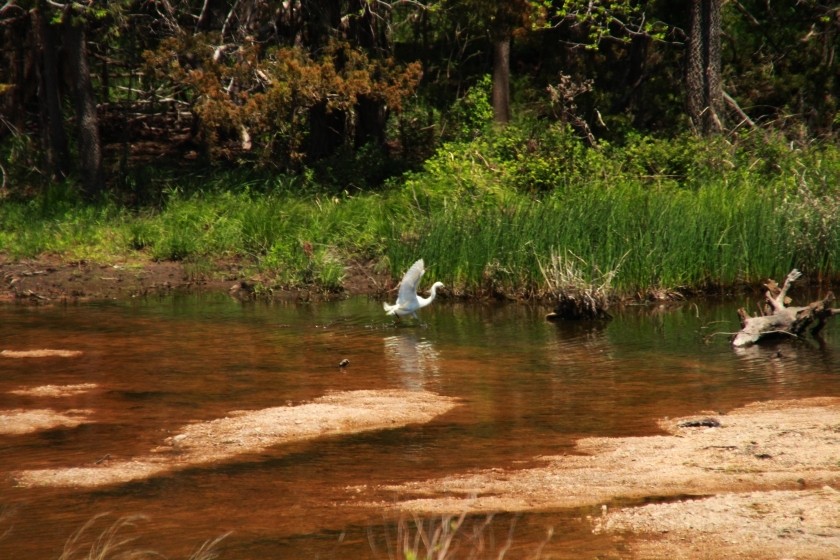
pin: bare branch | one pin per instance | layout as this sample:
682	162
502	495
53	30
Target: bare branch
203	16
737	108
229	18
10	5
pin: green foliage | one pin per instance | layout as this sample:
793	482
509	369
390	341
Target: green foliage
662	236
417	129
18	163
544	158
686	160
601	18
777	64
300	265
679	213
811	229
292	240
530	157
59	222
487	215
198	225
472	115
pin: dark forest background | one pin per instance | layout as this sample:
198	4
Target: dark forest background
362	90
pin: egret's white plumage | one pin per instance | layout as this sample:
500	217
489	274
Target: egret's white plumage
408	302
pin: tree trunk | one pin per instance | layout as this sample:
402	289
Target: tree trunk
322	19
694	64
714	86
53	136
19	58
326	131
501	78
371	117
704	94
84	101
368	27
327	128
634	76
369	30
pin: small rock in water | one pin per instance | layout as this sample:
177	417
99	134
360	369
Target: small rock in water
176	440
704	423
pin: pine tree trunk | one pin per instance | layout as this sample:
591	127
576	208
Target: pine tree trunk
501	79
368	29
87	120
704	94
53	136
714	87
326	131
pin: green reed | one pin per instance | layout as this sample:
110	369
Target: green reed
665	237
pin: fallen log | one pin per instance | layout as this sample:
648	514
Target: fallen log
779	319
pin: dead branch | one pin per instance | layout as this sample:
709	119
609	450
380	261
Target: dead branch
780	319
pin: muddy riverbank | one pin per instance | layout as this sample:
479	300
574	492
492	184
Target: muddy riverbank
51	280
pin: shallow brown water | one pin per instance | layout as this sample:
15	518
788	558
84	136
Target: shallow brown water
529	388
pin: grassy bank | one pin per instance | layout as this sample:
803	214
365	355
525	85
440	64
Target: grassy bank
496	214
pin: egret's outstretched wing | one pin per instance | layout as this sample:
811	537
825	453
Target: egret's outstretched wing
408	286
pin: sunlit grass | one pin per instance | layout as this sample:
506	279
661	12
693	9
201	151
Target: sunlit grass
664	238
679	214
450	536
442	537
291	240
683	217
118	540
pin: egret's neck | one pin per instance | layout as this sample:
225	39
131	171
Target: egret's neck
432	295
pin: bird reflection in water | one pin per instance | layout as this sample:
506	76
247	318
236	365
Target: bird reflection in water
415	357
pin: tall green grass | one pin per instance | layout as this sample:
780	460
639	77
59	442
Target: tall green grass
664	217
58	223
288	239
294	240
486	215
656	237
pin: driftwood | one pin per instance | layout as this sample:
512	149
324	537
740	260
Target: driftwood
779	319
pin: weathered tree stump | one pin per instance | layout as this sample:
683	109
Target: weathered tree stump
779	319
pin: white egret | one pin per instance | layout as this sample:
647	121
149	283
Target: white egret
408	302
